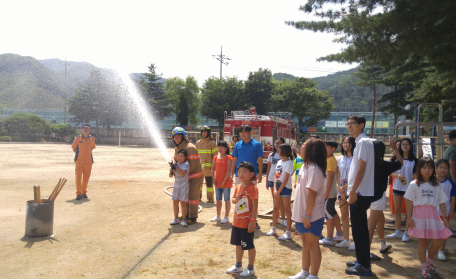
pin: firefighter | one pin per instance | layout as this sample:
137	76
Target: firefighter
82	147
207	150
233	143
195	175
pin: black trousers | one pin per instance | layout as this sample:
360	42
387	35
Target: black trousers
360	230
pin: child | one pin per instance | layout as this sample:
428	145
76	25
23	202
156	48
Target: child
422	197
308	207
273	159
221	169
332	218
381	172
449	187
180	188
282	196
403	177
297	163
245	199
343	166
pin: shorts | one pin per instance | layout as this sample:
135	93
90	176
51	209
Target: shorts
285	191
222	193
379	204
448	218
330	208
241	237
316	227
270	184
398	193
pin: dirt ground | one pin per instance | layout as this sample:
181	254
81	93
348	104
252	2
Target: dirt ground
123	231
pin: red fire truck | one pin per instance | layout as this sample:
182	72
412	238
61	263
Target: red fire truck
265	129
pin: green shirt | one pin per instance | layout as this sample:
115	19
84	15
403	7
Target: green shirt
450	155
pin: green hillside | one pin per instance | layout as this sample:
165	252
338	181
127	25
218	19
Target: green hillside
341	85
26	83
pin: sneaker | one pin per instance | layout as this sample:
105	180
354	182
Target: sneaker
352	247
395	235
374	257
441	256
286	236
247	272
321	236
257	227
299	276
234	269
184	223
344	244
271	232
225	220
216	219
283	223
359	270
175	222
85	196
425	274
432	269
325	241
351	263
388	247
338	238
405	238
78	197
210	201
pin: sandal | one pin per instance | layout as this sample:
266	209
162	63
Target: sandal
374	257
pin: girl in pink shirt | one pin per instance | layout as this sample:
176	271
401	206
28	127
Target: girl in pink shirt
308	206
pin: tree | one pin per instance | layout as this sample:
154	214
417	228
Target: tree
62	130
303	100
154	92
29	126
99	99
185	99
370	76
220	95
258	90
385	33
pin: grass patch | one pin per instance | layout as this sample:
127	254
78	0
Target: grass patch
211	262
263	263
289	270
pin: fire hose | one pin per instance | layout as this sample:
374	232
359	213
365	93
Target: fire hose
200	208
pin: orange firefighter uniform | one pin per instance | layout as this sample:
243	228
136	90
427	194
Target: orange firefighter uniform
195	176
207	150
83	161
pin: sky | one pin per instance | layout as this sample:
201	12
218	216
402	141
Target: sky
180	37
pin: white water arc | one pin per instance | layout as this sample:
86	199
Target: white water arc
146	115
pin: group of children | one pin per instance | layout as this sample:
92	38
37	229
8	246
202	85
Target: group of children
320	180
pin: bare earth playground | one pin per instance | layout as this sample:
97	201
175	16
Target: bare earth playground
123	231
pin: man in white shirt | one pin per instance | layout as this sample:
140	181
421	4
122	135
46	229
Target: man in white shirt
361	192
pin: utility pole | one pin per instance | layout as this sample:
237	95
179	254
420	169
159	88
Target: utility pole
65	97
220	58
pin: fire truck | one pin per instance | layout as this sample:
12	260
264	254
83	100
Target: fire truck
265	129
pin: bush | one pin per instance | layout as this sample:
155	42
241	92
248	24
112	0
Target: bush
3	132
6	138
26	124
16	138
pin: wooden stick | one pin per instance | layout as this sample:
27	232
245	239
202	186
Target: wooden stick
60	188
35	196
38	191
55	189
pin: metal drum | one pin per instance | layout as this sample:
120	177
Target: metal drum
39	219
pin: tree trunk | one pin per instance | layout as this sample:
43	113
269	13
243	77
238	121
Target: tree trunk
98	131
373	113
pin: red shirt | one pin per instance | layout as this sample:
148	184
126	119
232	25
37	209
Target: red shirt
243	208
221	167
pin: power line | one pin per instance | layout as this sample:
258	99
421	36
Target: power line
221	58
